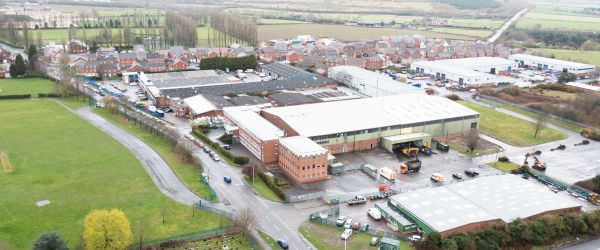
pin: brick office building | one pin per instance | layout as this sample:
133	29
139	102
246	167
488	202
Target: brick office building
302	160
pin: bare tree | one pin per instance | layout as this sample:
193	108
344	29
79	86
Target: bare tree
538	126
245	220
472	139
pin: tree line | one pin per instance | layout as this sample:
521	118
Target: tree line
231	63
519	234
180	29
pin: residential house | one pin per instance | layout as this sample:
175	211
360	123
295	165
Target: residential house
76	47
153	57
293	57
126	58
108	71
153	67
176	52
179	64
85	68
375	62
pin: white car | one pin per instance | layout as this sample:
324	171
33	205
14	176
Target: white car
346	234
216	157
348	223
340	221
415	238
374	213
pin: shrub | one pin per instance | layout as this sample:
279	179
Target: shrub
25	96
241	160
503	159
511	90
42	95
453	97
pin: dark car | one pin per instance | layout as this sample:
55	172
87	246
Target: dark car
227	179
472	172
226	147
283	244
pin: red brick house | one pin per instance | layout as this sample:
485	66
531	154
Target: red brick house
178	64
127	58
109	71
293	57
375	62
76	47
155	58
83	68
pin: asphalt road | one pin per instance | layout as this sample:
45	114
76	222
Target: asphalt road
588	245
160	172
505	26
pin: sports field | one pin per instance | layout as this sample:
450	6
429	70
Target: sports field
342	32
512	130
59	157
26	86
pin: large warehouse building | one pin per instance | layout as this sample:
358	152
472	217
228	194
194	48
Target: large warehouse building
479	203
370	83
474	71
362	124
545	63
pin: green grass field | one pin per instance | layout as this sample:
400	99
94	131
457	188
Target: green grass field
262	188
466	32
235	241
268	239
560	20
26	86
343	17
328	237
476	23
512	130
342	32
188	173
504	166
267	21
592	57
59	157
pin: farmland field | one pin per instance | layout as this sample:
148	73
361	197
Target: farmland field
277	21
563	17
342	17
26	86
592	57
342	32
476	23
77	168
102	11
512	130
466	32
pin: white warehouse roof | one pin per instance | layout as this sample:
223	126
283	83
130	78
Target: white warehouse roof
504	197
467	66
254	124
302	146
369	82
199	104
568	64
450	68
367	113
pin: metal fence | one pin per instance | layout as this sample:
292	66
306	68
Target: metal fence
304	197
495	99
213	195
559	184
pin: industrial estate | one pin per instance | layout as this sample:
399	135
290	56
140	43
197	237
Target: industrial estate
313	141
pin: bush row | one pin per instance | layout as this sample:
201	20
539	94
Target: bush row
240	160
24	96
274	184
42	95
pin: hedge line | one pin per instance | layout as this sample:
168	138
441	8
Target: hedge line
42	95
237	159
23	96
274	184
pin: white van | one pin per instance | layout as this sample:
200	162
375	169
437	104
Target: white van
374	213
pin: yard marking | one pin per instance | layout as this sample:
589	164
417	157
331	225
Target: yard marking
5	163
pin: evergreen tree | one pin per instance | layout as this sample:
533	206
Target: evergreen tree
20	65
50	241
94	47
12	70
32	56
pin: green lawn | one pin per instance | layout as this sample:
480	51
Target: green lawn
262	188
268	239
59	157
504	166
343	32
235	241
592	57
26	86
329	237
476	23
512	130
466	32
556	122
188	173
561	21
277	21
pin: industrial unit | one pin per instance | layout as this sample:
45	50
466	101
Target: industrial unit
302	160
480	203
370	83
362	124
544	63
475	71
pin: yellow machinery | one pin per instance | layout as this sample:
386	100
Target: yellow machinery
594	198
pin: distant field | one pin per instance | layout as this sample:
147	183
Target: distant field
476	23
565	17
466	32
343	17
527	23
103	11
57	156
26	86
342	32
277	21
592	57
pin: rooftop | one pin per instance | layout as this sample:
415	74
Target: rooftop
283	70
451	67
302	146
185	79
199	104
369	82
367	113
500	197
552	61
254	124
291	98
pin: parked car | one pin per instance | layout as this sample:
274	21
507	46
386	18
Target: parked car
167	110
206	150
374	241
346	234
414	237
374	213
227	179
437	177
457	176
226	147
348	223
355	225
283	243
340	221
216	157
472	172
364	227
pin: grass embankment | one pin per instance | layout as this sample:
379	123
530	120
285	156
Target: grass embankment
504	166
268	239
262	188
187	172
59	157
518	110
26	86
328	237
512	130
